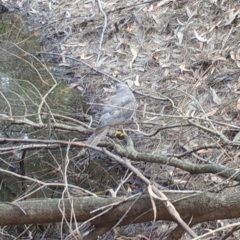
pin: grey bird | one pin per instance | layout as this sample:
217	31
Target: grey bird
118	110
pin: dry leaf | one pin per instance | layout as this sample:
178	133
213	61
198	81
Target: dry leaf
80	88
231	17
180	37
36	34
183	69
129	83
73	85
120	52
155	57
136	82
218	58
67	14
129	189
216	179
150	8
216	98
237	55
101	61
86	57
237	137
166	72
238	104
238	64
199	38
201	45
129	28
88	5
189	13
236	156
156	19
134	53
225	39
232	55
65	90
202	151
211	113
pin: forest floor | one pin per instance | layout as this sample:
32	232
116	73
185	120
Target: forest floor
180	58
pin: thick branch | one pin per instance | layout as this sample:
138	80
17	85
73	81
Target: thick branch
192	168
203	206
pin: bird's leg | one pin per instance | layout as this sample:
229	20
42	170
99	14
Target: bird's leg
120	134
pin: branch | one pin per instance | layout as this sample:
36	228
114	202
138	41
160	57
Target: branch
103	30
156	193
42	125
192	168
188	205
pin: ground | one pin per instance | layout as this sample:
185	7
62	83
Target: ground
180	58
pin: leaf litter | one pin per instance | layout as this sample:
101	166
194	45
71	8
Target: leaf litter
180	57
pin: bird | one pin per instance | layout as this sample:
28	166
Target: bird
120	108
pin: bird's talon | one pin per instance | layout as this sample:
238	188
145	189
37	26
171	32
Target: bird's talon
120	134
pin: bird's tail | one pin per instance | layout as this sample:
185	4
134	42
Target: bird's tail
95	138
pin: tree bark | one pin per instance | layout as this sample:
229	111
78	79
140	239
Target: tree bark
201	206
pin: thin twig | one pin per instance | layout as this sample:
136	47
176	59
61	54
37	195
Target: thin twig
162	197
163	2
43	184
103	30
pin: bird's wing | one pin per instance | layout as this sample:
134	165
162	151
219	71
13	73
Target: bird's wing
120	109
117	102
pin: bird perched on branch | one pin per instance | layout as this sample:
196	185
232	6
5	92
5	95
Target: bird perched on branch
118	110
